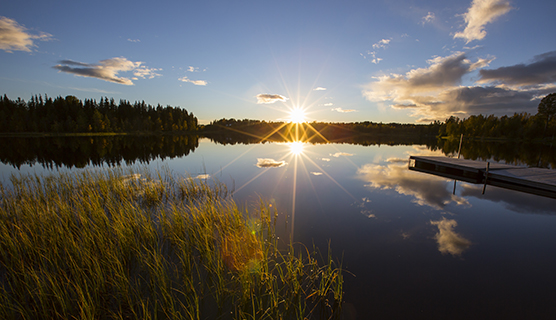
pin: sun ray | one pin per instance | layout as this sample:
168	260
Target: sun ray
330	177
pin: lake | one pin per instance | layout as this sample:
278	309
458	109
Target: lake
409	246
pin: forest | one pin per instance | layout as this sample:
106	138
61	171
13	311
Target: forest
71	115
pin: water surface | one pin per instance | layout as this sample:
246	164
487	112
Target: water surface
411	249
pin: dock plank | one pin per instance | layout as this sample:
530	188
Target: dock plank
533	177
464	163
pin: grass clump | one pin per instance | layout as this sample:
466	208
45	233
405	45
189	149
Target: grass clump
117	244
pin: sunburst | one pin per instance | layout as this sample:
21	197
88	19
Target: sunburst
296	147
297	115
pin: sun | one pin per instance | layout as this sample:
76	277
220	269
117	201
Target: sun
297	115
296	147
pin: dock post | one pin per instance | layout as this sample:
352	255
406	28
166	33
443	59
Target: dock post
486	176
460	142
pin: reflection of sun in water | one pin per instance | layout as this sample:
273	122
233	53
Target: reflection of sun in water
297	115
296	147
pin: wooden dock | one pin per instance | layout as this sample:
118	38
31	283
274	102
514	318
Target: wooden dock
531	180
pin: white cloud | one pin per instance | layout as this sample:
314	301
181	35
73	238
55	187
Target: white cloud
448	240
328	104
266	98
108	70
373	56
133	40
193	69
343	111
270	163
15	37
382	44
325	159
428	18
146	73
316	173
478	15
319	89
195	82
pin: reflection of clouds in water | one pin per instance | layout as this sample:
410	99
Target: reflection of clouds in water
270	163
448	240
364	211
368	214
513	200
424	151
397	160
428	190
338	154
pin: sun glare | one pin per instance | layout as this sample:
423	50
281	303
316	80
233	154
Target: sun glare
297	115
296	147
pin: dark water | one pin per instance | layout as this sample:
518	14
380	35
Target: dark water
411	249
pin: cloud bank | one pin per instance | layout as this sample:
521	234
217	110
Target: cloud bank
436	92
15	37
270	163
541	70
319	89
108	70
478	15
266	98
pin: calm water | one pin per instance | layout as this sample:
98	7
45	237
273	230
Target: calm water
411	248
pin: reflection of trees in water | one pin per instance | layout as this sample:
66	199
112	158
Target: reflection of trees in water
113	150
82	151
512	152
232	138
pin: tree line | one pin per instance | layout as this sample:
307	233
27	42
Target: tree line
316	132
522	126
71	115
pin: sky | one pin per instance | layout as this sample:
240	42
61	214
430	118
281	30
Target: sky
338	61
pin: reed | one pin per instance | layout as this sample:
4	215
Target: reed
132	244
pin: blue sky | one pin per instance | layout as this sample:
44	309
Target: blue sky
341	61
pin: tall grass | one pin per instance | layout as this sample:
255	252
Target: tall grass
123	244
